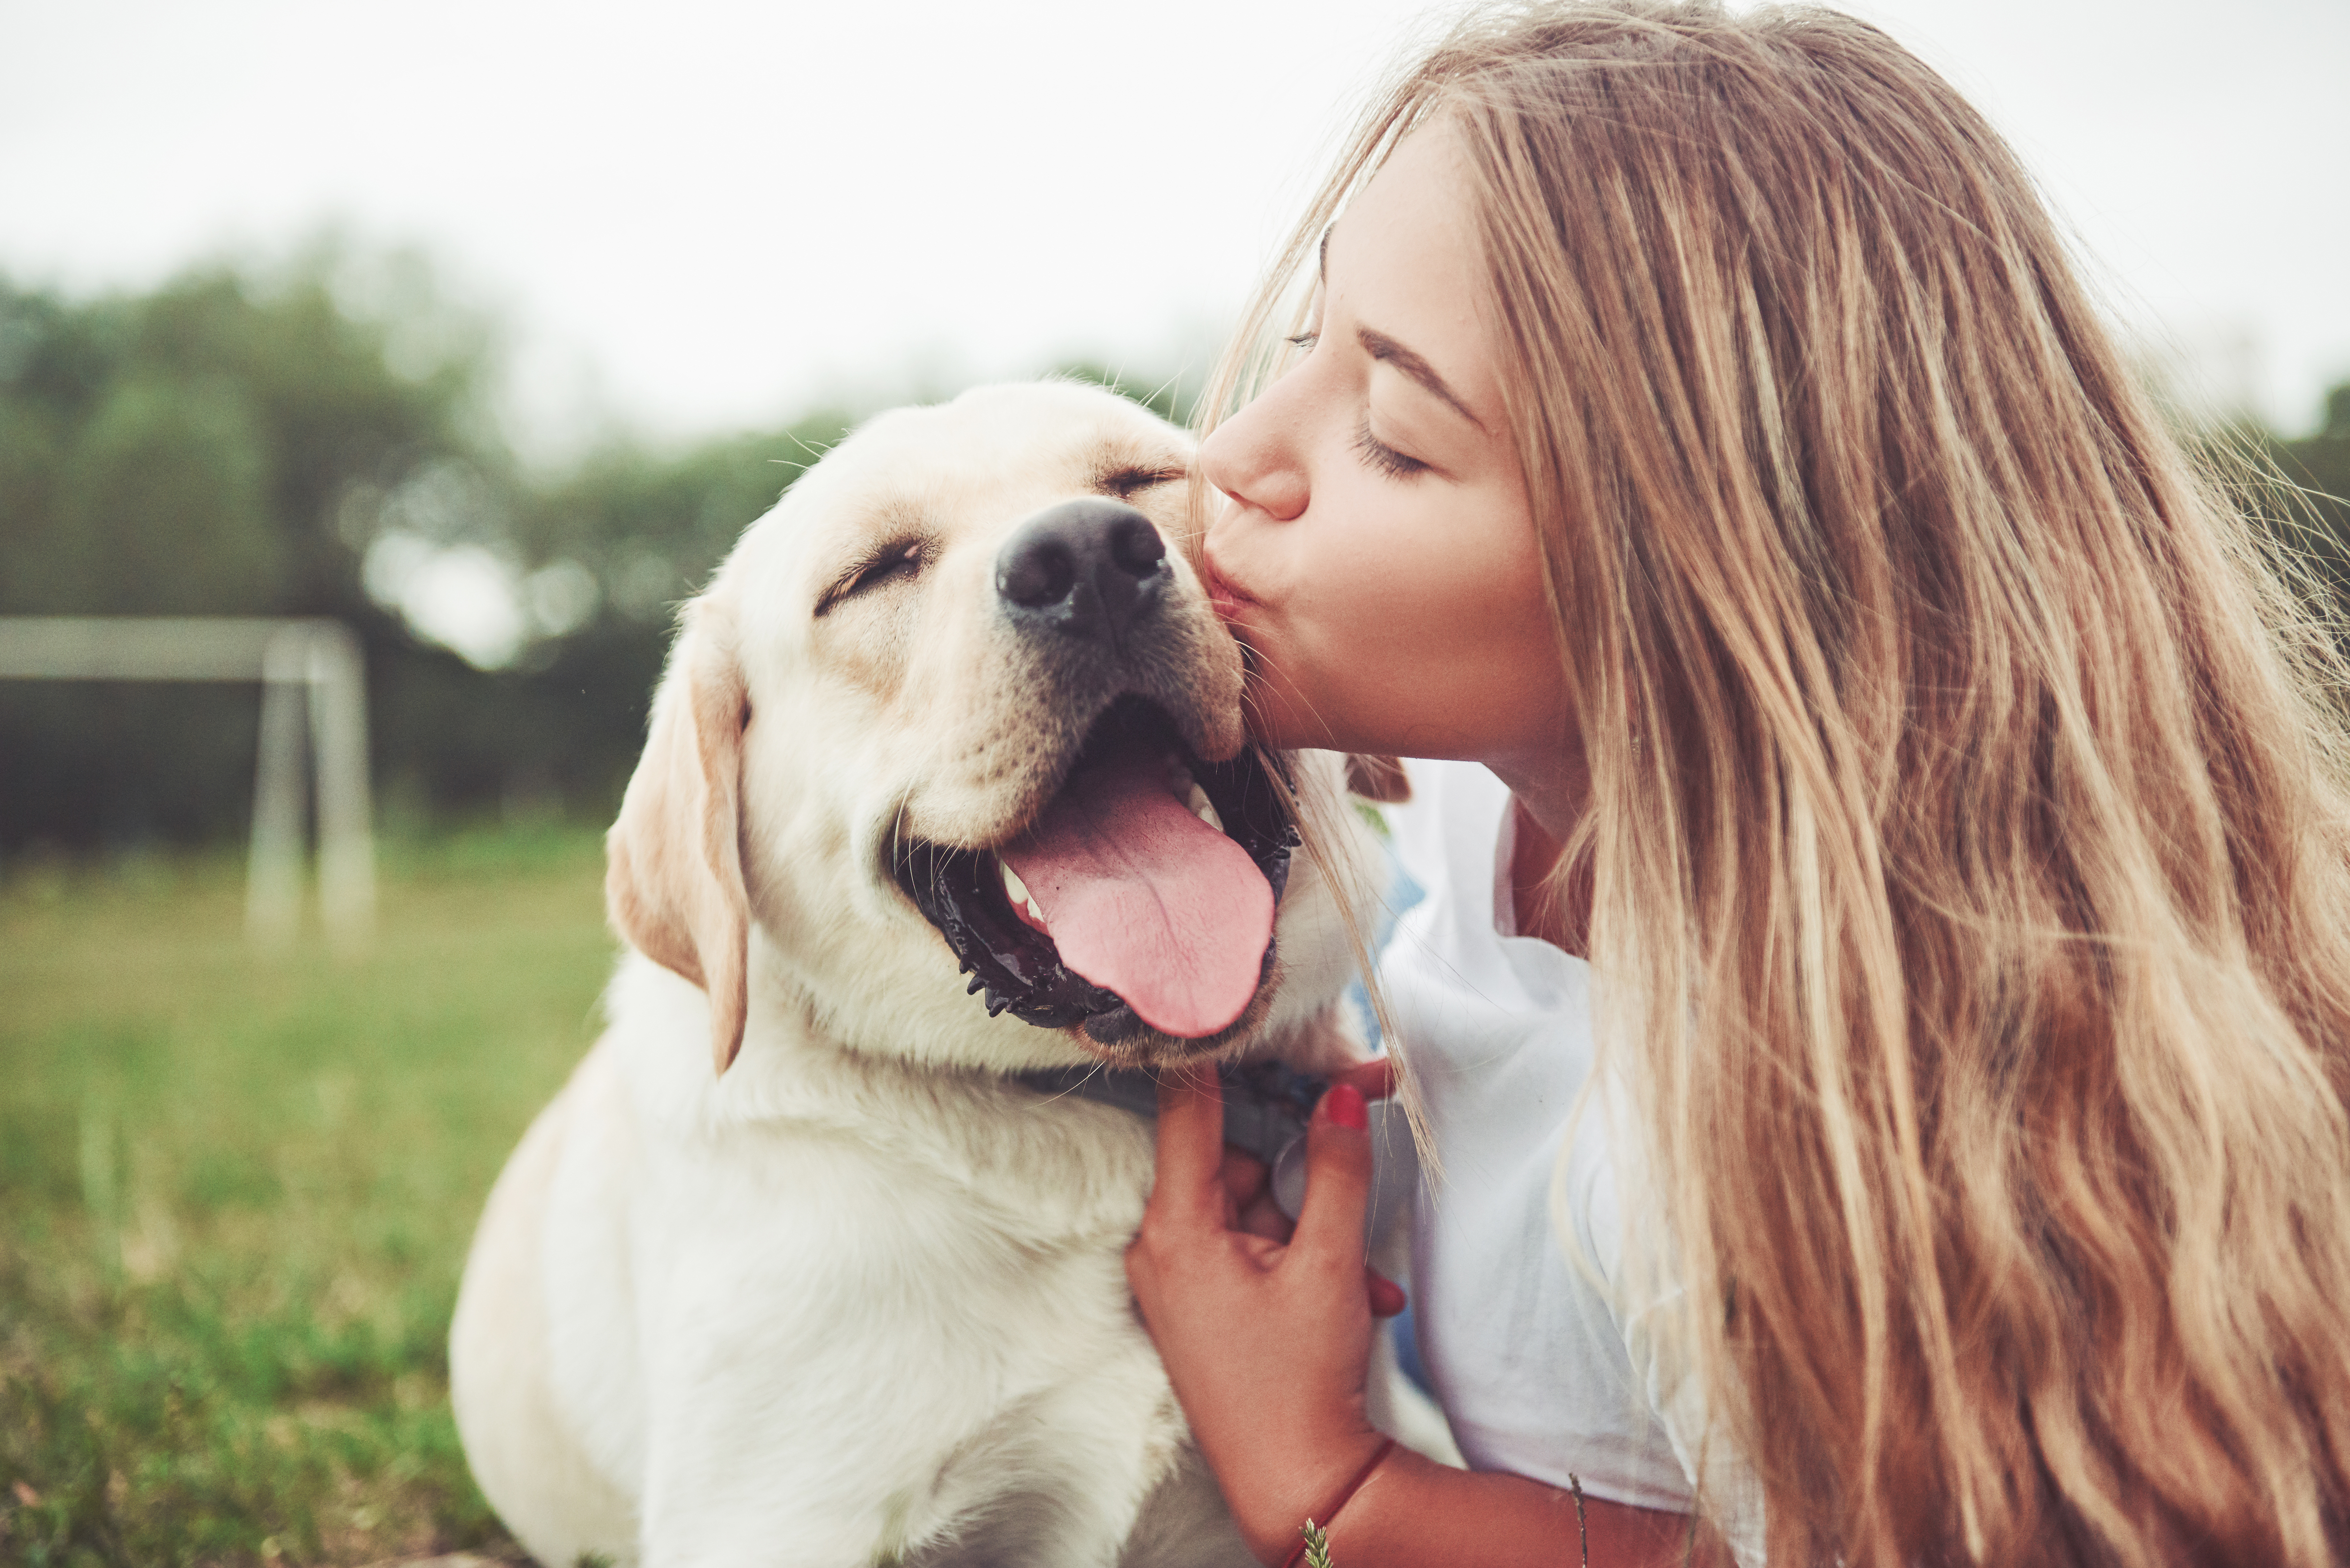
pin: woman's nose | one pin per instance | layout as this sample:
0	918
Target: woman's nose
1252	458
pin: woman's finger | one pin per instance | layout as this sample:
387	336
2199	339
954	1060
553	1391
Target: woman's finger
1374	1079
1262	1216
1386	1297
1190	1181
1337	1176
1244	1176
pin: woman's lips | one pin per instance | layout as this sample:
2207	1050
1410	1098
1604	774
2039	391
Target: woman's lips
1230	601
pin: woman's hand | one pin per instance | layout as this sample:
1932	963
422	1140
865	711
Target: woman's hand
1266	1334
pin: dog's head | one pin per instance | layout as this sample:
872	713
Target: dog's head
958	686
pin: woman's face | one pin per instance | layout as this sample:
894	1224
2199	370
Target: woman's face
1376	554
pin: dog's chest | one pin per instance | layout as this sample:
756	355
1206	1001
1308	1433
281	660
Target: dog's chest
931	1330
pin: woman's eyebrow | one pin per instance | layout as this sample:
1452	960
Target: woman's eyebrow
1381	346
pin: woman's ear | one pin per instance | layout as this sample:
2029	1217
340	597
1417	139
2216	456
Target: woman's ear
673	881
1377	778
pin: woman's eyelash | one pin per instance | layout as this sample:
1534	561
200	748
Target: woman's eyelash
1383	457
1375	451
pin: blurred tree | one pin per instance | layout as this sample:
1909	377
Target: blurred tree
160	508
2321	459
307	439
29	460
2311	509
653	527
644	531
185	453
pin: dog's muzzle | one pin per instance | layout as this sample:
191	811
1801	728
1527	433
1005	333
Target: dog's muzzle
963	892
1156	874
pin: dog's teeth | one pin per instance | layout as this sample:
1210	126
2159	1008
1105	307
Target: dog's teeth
1203	809
1017	891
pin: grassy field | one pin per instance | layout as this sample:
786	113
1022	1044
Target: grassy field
235	1193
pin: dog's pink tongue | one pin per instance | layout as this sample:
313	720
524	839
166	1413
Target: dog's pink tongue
1145	899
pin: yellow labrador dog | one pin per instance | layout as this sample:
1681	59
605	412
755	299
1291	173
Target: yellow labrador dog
953	719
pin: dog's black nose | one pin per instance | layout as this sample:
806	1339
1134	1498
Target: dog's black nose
1085	568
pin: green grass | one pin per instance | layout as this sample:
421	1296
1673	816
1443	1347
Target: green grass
235	1193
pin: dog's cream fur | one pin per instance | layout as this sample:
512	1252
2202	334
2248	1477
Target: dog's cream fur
858	1298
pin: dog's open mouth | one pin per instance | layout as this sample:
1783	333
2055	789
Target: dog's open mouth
1142	896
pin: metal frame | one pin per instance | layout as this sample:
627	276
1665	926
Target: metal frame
300	664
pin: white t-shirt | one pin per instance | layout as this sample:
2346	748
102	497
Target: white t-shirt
1542	1370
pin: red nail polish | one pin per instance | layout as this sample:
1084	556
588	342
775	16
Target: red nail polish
1344	1105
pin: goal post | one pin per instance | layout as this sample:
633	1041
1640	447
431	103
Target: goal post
305	667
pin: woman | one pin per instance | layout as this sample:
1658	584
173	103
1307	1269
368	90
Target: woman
1699	424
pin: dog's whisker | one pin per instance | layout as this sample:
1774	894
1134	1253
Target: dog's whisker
1165	387
1092	1070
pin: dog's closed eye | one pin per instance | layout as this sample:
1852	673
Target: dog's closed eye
1127	480
899	560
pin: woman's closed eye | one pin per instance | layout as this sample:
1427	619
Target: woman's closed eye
1383	457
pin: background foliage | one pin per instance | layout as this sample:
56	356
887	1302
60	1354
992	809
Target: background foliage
269	441
2315	471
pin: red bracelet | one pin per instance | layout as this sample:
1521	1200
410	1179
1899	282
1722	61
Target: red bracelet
1379	1455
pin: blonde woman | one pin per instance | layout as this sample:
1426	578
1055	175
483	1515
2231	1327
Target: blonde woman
1883	1005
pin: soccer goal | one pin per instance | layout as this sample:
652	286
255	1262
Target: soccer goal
303	667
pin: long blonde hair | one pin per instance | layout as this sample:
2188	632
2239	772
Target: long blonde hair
1967	791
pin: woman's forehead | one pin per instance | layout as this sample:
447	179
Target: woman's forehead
1404	267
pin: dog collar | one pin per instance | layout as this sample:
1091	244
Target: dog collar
1266	1107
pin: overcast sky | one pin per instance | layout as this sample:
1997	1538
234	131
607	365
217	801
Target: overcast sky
702	215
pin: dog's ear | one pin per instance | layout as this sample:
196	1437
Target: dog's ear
1376	778
673	882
